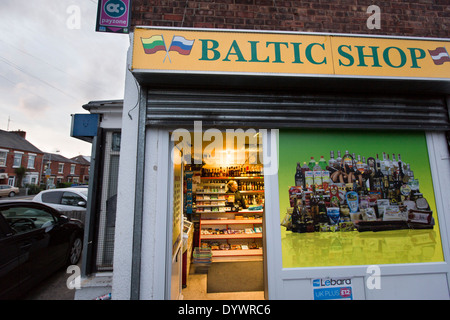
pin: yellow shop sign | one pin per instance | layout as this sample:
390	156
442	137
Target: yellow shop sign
179	50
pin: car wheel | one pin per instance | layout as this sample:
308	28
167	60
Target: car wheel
76	247
12	194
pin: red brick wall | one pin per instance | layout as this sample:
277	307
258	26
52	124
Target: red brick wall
419	18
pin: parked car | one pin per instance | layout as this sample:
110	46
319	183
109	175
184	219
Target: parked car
35	241
64	199
8	191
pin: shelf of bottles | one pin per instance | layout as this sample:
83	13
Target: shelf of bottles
352	192
229	234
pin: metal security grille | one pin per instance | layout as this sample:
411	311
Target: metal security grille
107	212
180	108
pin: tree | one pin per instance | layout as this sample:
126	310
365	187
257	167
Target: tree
20	172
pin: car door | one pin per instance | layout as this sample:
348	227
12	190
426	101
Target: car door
29	227
9	262
3	191
70	202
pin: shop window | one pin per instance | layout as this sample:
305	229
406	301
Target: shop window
353	204
115	144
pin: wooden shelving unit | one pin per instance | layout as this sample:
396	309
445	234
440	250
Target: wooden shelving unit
225	220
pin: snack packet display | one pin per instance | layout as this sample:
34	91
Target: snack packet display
333	215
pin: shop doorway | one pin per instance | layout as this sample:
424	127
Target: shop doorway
218	202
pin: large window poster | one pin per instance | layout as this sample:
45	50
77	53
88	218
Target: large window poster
348	198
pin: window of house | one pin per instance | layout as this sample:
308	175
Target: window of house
72	169
3	154
31	159
61	168
17	159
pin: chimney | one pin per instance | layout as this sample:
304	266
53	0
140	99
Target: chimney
21	133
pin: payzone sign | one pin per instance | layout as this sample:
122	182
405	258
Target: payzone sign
332	289
113	16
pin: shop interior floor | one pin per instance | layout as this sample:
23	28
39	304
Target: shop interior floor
235	276
197	290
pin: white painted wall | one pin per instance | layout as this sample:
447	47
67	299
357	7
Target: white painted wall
126	190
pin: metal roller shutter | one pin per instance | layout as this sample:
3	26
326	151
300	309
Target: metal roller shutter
230	109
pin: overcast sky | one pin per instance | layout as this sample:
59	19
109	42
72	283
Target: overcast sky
52	61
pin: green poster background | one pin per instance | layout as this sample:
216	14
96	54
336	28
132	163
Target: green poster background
356	248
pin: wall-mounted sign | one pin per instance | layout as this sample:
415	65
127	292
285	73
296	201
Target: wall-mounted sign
332	289
187	51
113	16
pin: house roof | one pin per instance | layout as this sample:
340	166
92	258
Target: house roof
11	140
57	158
82	160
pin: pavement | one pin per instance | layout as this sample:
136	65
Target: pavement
53	288
17	198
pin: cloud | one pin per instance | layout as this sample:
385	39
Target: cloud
33	107
49	71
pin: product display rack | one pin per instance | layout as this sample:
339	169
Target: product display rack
229	234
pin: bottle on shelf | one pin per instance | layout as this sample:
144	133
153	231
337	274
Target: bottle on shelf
305	168
378	179
295	219
322	163
299	178
378	163
311	164
401	174
394	164
365	165
389	166
384	165
332	161
401	163
409	172
339	159
360	164
348	159
317	167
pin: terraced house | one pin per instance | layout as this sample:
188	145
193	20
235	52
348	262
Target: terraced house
20	161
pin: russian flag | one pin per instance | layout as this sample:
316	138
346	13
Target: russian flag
181	45
439	55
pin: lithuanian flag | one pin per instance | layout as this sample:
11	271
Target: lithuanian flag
153	44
